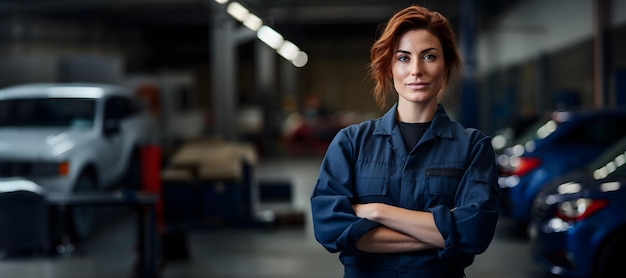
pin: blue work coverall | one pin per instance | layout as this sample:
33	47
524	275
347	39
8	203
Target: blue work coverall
451	172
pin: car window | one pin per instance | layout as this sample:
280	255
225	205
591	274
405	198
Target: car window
619	171
120	107
610	163
599	131
47	112
614	168
531	132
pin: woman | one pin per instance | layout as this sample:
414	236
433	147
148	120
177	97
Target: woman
413	193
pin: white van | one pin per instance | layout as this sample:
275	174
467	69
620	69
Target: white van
73	137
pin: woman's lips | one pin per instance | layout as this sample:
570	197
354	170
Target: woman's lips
417	85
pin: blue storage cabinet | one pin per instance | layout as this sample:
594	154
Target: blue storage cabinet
209	185
227	202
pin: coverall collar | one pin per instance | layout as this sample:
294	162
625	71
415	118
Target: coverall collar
440	125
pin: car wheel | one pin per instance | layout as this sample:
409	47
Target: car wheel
83	218
609	260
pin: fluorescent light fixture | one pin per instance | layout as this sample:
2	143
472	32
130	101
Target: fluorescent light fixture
270	37
288	50
237	11
266	34
300	60
253	22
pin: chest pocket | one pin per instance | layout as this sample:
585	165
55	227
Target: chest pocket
441	185
371	189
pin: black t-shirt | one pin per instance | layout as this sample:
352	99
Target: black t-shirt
412	133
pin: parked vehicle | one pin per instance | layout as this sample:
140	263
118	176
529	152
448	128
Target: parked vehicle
73	138
565	141
505	137
578	226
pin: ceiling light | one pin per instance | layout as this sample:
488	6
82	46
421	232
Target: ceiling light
270	37
221	1
237	11
253	22
288	50
300	60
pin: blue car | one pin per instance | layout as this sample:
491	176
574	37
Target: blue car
578	226
561	142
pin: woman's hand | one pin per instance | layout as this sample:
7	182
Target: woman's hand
370	211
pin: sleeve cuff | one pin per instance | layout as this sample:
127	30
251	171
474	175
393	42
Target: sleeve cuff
443	219
358	229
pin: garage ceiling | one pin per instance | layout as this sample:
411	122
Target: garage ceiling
172	23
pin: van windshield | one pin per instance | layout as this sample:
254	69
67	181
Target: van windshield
47	112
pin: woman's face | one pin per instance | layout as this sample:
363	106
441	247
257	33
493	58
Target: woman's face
418	67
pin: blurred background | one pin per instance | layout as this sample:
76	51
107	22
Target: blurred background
277	79
213	75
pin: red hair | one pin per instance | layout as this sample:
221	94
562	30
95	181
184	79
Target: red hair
382	52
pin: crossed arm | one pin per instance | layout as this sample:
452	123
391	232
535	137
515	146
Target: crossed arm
403	230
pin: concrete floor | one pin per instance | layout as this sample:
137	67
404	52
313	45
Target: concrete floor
246	252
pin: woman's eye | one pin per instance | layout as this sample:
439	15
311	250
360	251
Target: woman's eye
403	58
429	57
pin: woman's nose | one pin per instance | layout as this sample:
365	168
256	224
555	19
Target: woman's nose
416	69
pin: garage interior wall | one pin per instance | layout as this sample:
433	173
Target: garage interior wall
540	57
537	51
